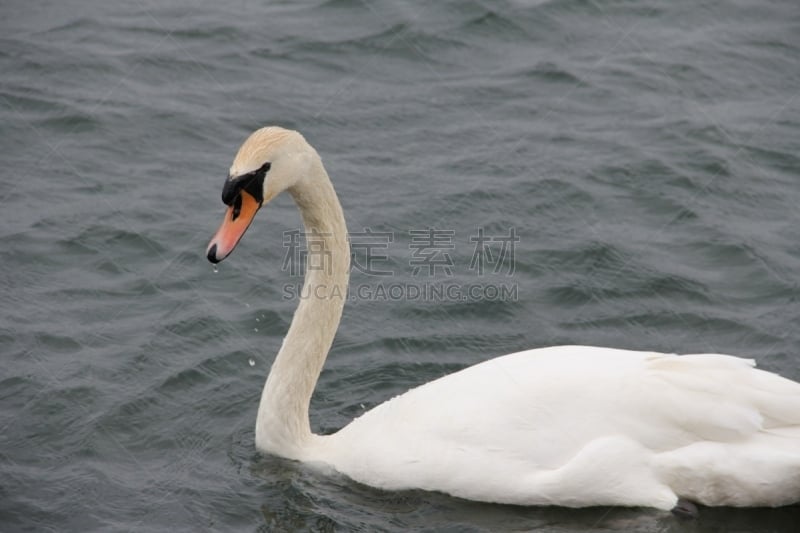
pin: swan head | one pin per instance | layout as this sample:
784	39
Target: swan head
270	161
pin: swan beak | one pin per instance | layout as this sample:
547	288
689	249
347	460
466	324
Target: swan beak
237	219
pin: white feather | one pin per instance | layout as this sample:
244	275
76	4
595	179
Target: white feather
580	425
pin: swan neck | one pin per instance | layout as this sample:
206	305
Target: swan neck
282	425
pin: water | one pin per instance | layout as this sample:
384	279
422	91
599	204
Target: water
645	154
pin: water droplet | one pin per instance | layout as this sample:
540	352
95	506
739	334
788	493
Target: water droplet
255	329
214	268
258	319
252	363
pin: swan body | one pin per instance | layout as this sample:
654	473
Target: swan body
580	425
567	425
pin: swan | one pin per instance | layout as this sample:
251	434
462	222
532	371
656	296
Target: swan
571	426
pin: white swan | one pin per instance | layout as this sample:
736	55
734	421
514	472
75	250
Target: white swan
568	425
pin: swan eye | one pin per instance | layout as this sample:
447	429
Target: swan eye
237	208
252	182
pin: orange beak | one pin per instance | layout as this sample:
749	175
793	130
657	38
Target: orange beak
237	219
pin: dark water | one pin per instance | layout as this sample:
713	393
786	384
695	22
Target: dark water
644	153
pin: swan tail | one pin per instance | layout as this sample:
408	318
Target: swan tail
749	423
